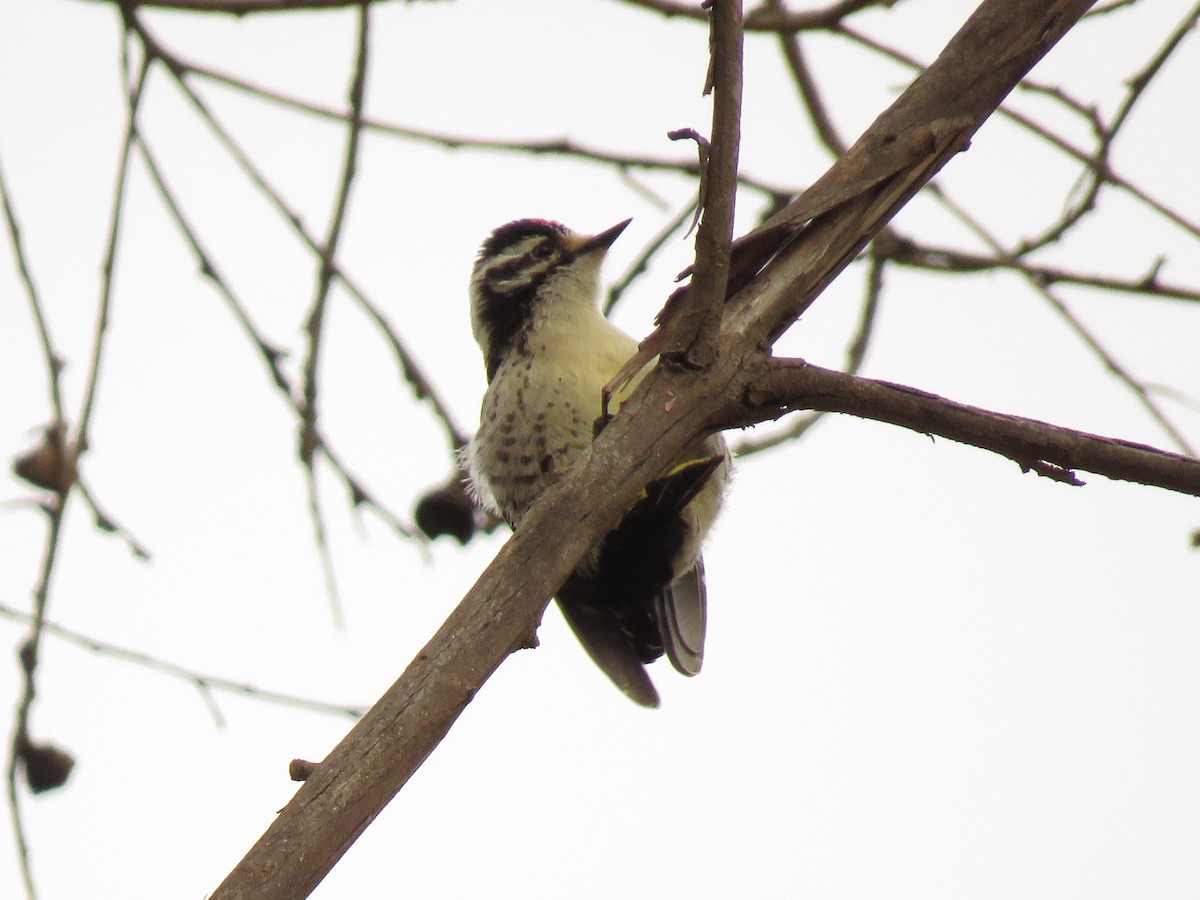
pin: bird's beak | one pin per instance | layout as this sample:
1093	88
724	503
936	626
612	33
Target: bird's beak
601	241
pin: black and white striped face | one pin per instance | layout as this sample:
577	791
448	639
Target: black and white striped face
522	264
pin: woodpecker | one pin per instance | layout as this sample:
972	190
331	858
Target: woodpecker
549	352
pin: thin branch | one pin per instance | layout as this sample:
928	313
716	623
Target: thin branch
108	267
689	322
174	670
315	322
21	742
1098	169
106	523
693	338
1140	391
52	360
321	541
271	356
856	354
949	260
1088	160
1093	343
1115	6
529	146
810	95
27	655
642	261
1107	174
414	377
643	190
1084	111
412	373
835	144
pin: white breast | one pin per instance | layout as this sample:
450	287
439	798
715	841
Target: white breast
540	409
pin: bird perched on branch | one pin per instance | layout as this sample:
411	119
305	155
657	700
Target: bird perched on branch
549	353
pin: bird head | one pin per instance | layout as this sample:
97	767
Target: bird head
527	268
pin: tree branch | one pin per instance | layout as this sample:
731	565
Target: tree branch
1050	450
561	146
314	326
903	149
669	410
693	334
201	680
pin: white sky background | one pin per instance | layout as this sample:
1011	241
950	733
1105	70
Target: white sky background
927	674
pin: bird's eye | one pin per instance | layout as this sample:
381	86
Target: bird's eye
543	251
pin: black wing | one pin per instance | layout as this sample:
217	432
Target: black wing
628	608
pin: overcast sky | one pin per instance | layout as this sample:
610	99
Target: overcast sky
927	673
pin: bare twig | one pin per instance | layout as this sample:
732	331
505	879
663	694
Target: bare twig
106	523
810	95
703	148
52	360
689	323
423	387
21	742
693	341
946	259
200	680
28	660
1099	168
642	260
108	268
531	146
314	325
1088	160
1107	8
270	355
1093	343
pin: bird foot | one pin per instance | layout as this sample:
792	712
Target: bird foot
550	467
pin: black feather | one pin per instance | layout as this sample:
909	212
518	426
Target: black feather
506	301
515	232
623	609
